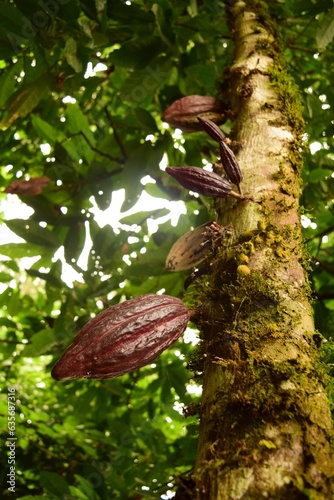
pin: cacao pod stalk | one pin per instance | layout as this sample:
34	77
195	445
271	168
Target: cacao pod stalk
123	338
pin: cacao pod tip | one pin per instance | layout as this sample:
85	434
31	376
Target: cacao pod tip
58	373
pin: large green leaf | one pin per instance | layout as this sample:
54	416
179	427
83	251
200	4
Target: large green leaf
70	52
141	83
25	99
33	233
20	250
45	130
54	484
7	81
40	343
325	31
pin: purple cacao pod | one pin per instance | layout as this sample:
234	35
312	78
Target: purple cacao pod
230	164
211	129
123	338
183	113
201	181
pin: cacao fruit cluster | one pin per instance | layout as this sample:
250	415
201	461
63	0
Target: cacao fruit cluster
229	161
195	246
209	183
132	334
123	338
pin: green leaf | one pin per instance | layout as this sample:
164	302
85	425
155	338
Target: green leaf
70	52
5	277
45	130
325	31
146	120
8	323
163	21
75	241
33	233
156	192
40	343
203	75
19	250
143	82
141	217
138	53
86	488
12	30
76	121
319	174
32	497
54	484
8	82
49	277
178	378
26	99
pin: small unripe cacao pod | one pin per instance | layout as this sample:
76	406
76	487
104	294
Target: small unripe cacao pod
212	129
194	246
230	164
183	113
123	338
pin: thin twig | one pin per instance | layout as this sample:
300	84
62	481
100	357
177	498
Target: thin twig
117	137
98	151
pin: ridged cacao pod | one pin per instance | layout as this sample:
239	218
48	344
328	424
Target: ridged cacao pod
230	164
193	247
183	113
201	181
123	338
211	129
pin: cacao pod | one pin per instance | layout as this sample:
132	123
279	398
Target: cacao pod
203	182
230	164
123	338
194	246
212	129
183	113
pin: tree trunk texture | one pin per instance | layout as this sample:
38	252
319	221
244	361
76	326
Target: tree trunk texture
265	422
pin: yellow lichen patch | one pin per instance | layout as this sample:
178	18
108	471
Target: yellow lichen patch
249	247
270	238
282	254
243	259
261	225
243	270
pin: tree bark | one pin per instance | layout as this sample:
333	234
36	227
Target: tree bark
265	423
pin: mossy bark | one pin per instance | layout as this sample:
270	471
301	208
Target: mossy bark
265	428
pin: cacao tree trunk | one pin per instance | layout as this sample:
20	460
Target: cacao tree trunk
265	423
